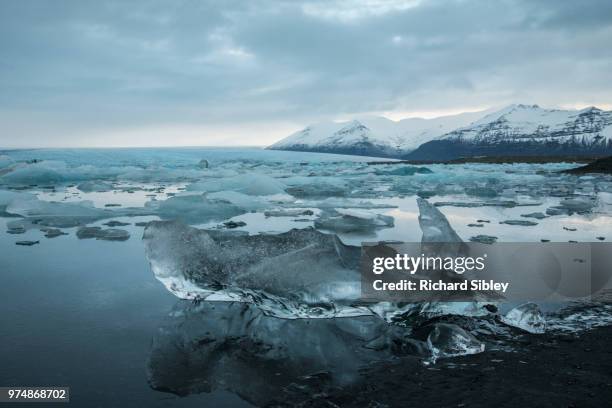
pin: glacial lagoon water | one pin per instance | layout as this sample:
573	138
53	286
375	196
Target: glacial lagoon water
91	314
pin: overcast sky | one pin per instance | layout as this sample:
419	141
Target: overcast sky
125	73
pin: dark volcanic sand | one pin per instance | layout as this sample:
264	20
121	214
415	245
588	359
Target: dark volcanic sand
544	371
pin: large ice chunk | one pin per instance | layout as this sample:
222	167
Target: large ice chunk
300	273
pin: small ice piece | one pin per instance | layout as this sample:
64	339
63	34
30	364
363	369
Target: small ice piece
110	234
522	223
552	211
484	239
27	243
250	184
536	215
288	213
434	224
527	317
114	223
17	226
52	232
234	224
348	220
450	340
203	164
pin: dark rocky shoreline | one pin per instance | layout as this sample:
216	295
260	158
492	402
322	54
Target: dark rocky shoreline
562	370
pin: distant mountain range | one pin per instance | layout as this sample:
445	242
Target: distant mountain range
516	130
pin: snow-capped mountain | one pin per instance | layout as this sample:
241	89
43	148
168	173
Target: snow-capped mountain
516	130
373	135
525	130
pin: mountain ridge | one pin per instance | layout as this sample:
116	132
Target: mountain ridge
516	129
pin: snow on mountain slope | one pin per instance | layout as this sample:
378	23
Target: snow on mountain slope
530	122
525	130
372	135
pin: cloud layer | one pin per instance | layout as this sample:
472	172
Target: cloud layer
248	72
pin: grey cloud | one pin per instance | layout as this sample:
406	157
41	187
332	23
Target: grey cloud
121	64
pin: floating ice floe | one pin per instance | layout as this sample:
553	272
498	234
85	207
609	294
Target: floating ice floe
536	215
94	186
403	171
109	234
484	239
315	187
288	213
250	183
63	214
522	223
528	317
578	204
195	208
337	202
